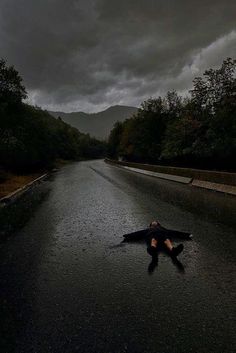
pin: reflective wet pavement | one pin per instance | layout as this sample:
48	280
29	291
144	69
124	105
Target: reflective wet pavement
69	285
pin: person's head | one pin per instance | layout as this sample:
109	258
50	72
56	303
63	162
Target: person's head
154	224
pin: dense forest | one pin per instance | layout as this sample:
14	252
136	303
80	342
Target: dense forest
195	131
30	138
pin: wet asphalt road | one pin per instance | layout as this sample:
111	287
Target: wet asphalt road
69	285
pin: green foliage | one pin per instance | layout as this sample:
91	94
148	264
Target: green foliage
217	88
31	138
114	140
198	131
11	89
143	134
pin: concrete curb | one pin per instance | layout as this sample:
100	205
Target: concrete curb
177	178
219	177
228	189
213	186
19	192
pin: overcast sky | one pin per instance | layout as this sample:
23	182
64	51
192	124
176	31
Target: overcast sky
85	55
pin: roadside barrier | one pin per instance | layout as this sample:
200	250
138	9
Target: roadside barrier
212	180
19	192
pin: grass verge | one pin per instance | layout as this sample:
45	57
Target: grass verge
10	182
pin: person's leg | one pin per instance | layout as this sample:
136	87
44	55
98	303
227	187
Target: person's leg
177	250
154	242
168	244
174	251
152	249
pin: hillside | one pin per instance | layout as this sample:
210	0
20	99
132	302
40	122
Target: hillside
98	124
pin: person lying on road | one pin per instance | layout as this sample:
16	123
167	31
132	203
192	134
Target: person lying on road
159	235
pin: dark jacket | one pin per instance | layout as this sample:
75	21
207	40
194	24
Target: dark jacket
145	234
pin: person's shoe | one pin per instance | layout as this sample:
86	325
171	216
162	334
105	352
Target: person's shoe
176	251
152	251
153	264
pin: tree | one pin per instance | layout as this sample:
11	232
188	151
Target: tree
173	104
217	88
181	137
152	106
199	95
115	139
11	89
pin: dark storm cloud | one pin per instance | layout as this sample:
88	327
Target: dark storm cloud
89	54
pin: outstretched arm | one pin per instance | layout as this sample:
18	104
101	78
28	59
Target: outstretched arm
177	234
136	236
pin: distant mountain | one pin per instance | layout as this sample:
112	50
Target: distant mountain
98	124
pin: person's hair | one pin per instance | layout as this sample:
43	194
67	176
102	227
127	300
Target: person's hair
154	224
